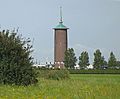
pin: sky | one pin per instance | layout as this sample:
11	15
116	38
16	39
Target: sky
93	24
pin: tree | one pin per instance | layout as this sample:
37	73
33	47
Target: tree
70	59
103	62
15	60
118	64
98	59
112	60
84	60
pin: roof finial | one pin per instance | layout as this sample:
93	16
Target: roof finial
61	20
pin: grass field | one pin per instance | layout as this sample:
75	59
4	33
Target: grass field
79	86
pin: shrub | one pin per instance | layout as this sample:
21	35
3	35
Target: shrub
15	60
54	74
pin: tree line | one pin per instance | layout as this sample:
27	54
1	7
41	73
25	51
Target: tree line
83	60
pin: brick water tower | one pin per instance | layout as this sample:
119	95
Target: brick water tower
60	43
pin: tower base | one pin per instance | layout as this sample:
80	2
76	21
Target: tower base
59	65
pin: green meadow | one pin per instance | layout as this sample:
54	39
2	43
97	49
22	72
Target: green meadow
79	86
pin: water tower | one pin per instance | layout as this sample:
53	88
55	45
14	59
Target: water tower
60	43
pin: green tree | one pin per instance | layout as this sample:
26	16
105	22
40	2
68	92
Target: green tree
15	60
84	60
103	62
98	59
70	58
112	62
118	64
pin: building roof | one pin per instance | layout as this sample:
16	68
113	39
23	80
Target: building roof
60	26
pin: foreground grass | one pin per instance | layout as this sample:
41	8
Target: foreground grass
80	86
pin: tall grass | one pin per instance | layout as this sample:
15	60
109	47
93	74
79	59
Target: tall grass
79	86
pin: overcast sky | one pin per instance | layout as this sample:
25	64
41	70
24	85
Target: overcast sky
93	24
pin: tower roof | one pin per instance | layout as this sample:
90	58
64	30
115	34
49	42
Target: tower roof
60	25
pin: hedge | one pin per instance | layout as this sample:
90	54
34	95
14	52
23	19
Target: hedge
97	71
